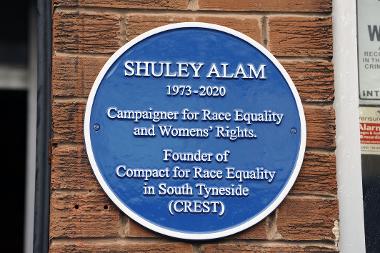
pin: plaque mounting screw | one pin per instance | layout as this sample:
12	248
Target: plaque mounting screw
96	127
293	130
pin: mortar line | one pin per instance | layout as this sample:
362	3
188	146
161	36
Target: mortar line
153	11
170	240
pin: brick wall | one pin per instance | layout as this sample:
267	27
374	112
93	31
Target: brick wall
86	32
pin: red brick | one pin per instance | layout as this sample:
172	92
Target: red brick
81	32
80	219
130	4
67	121
136	230
317	175
70	169
314	79
83	214
139	23
266	5
118	245
300	36
273	247
257	231
73	76
320	124
304	218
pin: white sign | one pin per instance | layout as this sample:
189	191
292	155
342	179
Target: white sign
369	51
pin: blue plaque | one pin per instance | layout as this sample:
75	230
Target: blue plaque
195	130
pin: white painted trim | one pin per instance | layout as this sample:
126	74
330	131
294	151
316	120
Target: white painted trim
348	156
137	217
30	182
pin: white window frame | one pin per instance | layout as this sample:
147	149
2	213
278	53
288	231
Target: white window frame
30	182
348	156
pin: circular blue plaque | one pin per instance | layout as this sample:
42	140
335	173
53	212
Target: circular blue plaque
195	130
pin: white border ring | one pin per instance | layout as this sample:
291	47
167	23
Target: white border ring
174	233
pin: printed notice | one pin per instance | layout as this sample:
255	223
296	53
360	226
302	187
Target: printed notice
370	130
369	51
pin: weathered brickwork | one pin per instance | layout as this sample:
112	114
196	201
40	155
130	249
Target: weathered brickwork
87	32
